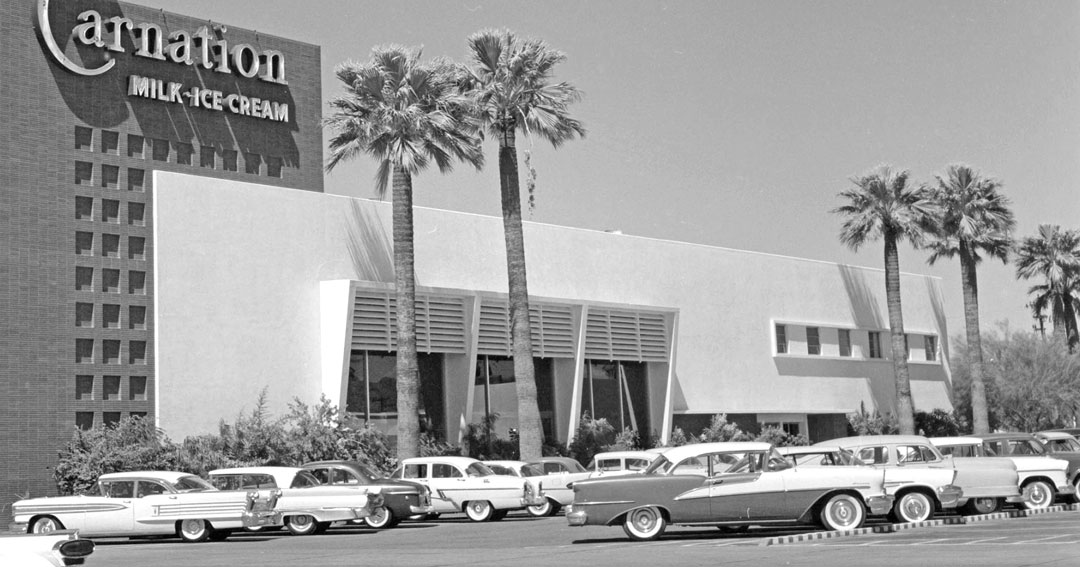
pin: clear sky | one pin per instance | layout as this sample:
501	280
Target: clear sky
736	123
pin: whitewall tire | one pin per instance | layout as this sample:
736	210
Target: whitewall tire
843	512
644	524
479	510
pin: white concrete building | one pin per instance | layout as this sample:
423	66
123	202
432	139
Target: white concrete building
263	287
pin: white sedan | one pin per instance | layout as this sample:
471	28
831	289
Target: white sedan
138	503
461	484
294	497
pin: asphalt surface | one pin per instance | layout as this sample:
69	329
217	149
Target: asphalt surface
1051	539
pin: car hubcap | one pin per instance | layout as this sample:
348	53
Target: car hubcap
378	516
301	521
192	527
644	520
843	513
45	526
1036	494
914	508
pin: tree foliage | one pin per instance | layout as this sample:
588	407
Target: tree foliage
1032	383
306	433
863	422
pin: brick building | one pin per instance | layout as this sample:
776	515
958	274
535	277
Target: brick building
96	96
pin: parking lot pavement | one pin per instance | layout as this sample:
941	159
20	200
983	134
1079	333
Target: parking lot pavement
521	541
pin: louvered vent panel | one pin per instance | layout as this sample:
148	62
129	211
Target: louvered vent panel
552	329
494	339
440	323
626	335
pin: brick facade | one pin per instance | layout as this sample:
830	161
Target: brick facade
76	213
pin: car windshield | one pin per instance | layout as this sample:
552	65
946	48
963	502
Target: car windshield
192	484
500	469
660	466
478	469
367	470
532	470
1063	445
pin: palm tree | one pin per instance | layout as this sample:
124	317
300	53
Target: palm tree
974	220
511	86
406	115
1055	255
883	205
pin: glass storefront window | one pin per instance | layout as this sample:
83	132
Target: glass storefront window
618	392
372	391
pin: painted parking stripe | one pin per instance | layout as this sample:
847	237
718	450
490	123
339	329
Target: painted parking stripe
1046	539
973	542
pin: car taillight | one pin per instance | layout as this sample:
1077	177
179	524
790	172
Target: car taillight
76	548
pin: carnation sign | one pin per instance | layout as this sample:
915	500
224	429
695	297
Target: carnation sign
206	47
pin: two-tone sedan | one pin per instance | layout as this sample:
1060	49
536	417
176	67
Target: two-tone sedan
1041	476
294	497
917	492
560	474
729	485
401	498
985	482
461	484
139	503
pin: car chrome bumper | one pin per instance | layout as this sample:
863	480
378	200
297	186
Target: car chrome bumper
880	505
576	517
415	510
1018	499
261	519
1067	490
949	495
536	500
18	527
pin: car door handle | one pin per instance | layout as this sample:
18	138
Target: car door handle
172	498
716	481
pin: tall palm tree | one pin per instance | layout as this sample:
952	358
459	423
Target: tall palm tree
974	219
1053	254
406	115
884	205
511	86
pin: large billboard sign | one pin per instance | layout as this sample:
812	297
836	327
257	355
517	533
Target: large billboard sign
207	47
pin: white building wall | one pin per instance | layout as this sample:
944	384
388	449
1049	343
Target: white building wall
238	307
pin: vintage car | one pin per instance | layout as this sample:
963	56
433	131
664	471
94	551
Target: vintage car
985	483
461	484
50	549
535	475
560	474
1041	477
917	492
401	498
727	485
139	503
1058	445
615	463
294	497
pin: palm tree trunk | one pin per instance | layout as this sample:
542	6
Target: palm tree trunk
980	416
905	413
530	432
408	380
1070	319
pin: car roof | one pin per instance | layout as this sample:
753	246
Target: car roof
958	440
168	476
809	449
511	464
459	461
676	454
861	440
625	454
283	476
1013	435
1056	435
564	460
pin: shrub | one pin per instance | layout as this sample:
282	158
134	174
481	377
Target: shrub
720	429
132	444
625	440
939	423
781	438
864	423
591	437
483	443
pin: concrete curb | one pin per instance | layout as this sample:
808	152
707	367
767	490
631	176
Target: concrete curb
893	528
1047	510
781	540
